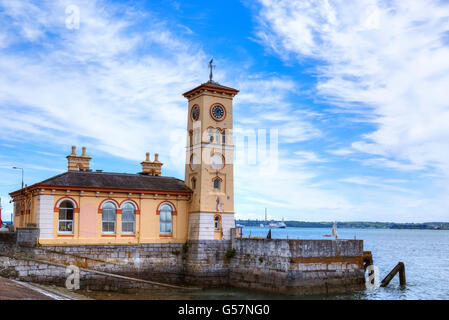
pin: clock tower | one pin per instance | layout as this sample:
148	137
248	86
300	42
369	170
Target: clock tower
209	168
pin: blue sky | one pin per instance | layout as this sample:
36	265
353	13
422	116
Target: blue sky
355	92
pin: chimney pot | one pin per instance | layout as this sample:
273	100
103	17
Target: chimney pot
78	163
151	168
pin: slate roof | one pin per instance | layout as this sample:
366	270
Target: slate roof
212	85
109	180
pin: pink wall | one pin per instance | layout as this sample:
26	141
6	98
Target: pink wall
88	220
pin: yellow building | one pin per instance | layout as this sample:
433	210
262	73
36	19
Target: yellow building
85	207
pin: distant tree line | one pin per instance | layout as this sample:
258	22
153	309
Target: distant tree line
355	224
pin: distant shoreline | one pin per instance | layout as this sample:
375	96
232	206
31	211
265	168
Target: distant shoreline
353	225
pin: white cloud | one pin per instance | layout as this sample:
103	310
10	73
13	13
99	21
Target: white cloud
383	184
105	84
341	152
387	56
386	63
308	156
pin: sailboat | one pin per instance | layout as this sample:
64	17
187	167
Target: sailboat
334	231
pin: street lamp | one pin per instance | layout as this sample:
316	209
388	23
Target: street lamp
22	173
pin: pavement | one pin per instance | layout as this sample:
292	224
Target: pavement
17	290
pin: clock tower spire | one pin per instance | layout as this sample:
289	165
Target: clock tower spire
209	168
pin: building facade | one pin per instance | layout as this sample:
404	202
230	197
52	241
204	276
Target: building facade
85	207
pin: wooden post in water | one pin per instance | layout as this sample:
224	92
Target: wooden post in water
400	267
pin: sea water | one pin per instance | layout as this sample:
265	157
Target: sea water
425	254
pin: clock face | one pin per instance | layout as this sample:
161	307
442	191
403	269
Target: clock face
218	112
195	113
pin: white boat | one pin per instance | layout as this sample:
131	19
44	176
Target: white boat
278	225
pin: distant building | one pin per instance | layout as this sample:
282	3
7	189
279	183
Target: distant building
84	207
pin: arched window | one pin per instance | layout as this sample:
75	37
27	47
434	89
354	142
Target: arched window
191	138
217	223
217	183
128	218
108	217
193	183
217	136
211	135
65	223
166	218
223	137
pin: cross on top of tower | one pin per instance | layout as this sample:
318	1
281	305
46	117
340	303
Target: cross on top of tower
211	67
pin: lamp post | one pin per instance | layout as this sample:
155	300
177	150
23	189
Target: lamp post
17	168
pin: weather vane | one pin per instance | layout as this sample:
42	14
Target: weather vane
211	66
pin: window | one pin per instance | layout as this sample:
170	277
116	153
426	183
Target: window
166	213
223	137
128	218
108	218
217	223
217	183
193	183
217	136
211	135
66	217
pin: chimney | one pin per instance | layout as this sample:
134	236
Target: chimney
151	168
78	163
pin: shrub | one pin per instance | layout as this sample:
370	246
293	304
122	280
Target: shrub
230	253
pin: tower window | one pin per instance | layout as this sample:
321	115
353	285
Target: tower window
217	183
193	183
223	137
217	136
211	135
217	223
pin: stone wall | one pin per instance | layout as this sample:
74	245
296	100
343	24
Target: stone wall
27	236
274	265
159	262
298	266
30	270
7	238
206	262
23	236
